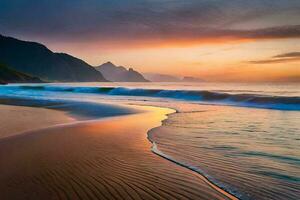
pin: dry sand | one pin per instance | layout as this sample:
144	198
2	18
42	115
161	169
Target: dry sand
18	119
107	159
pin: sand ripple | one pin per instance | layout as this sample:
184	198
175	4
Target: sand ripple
108	159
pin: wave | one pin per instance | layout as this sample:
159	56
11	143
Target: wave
209	179
211	97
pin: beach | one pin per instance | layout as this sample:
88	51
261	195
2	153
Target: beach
139	141
19	119
99	159
150	99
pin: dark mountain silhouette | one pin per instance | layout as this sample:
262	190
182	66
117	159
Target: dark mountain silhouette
120	74
154	77
8	75
37	60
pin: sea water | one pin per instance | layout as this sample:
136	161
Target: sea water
244	138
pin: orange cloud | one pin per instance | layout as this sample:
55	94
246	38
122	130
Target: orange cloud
282	58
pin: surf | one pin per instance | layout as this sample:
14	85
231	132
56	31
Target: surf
198	96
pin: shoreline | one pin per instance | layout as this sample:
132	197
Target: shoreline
162	114
159	153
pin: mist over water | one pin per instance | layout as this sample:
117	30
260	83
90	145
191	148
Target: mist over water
247	142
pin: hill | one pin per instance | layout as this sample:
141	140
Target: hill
153	77
8	75
37	60
191	79
120	74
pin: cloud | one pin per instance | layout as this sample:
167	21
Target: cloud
281	58
139	20
263	33
288	55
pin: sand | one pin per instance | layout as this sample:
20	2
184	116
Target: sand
105	159
18	119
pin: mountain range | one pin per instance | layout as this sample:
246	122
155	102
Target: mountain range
156	77
37	60
191	79
119	73
31	59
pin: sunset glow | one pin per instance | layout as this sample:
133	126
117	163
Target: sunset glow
215	41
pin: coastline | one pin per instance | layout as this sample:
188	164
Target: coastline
115	153
194	171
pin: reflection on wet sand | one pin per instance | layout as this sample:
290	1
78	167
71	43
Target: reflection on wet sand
108	159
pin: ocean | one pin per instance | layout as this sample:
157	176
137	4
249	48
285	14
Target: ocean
244	138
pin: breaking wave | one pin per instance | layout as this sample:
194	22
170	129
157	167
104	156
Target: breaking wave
201	96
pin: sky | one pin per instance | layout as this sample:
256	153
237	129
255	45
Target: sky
216	40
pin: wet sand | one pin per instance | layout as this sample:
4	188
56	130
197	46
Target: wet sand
105	159
18	119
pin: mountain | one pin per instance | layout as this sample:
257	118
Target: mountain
8	75
153	77
37	60
191	79
120	74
